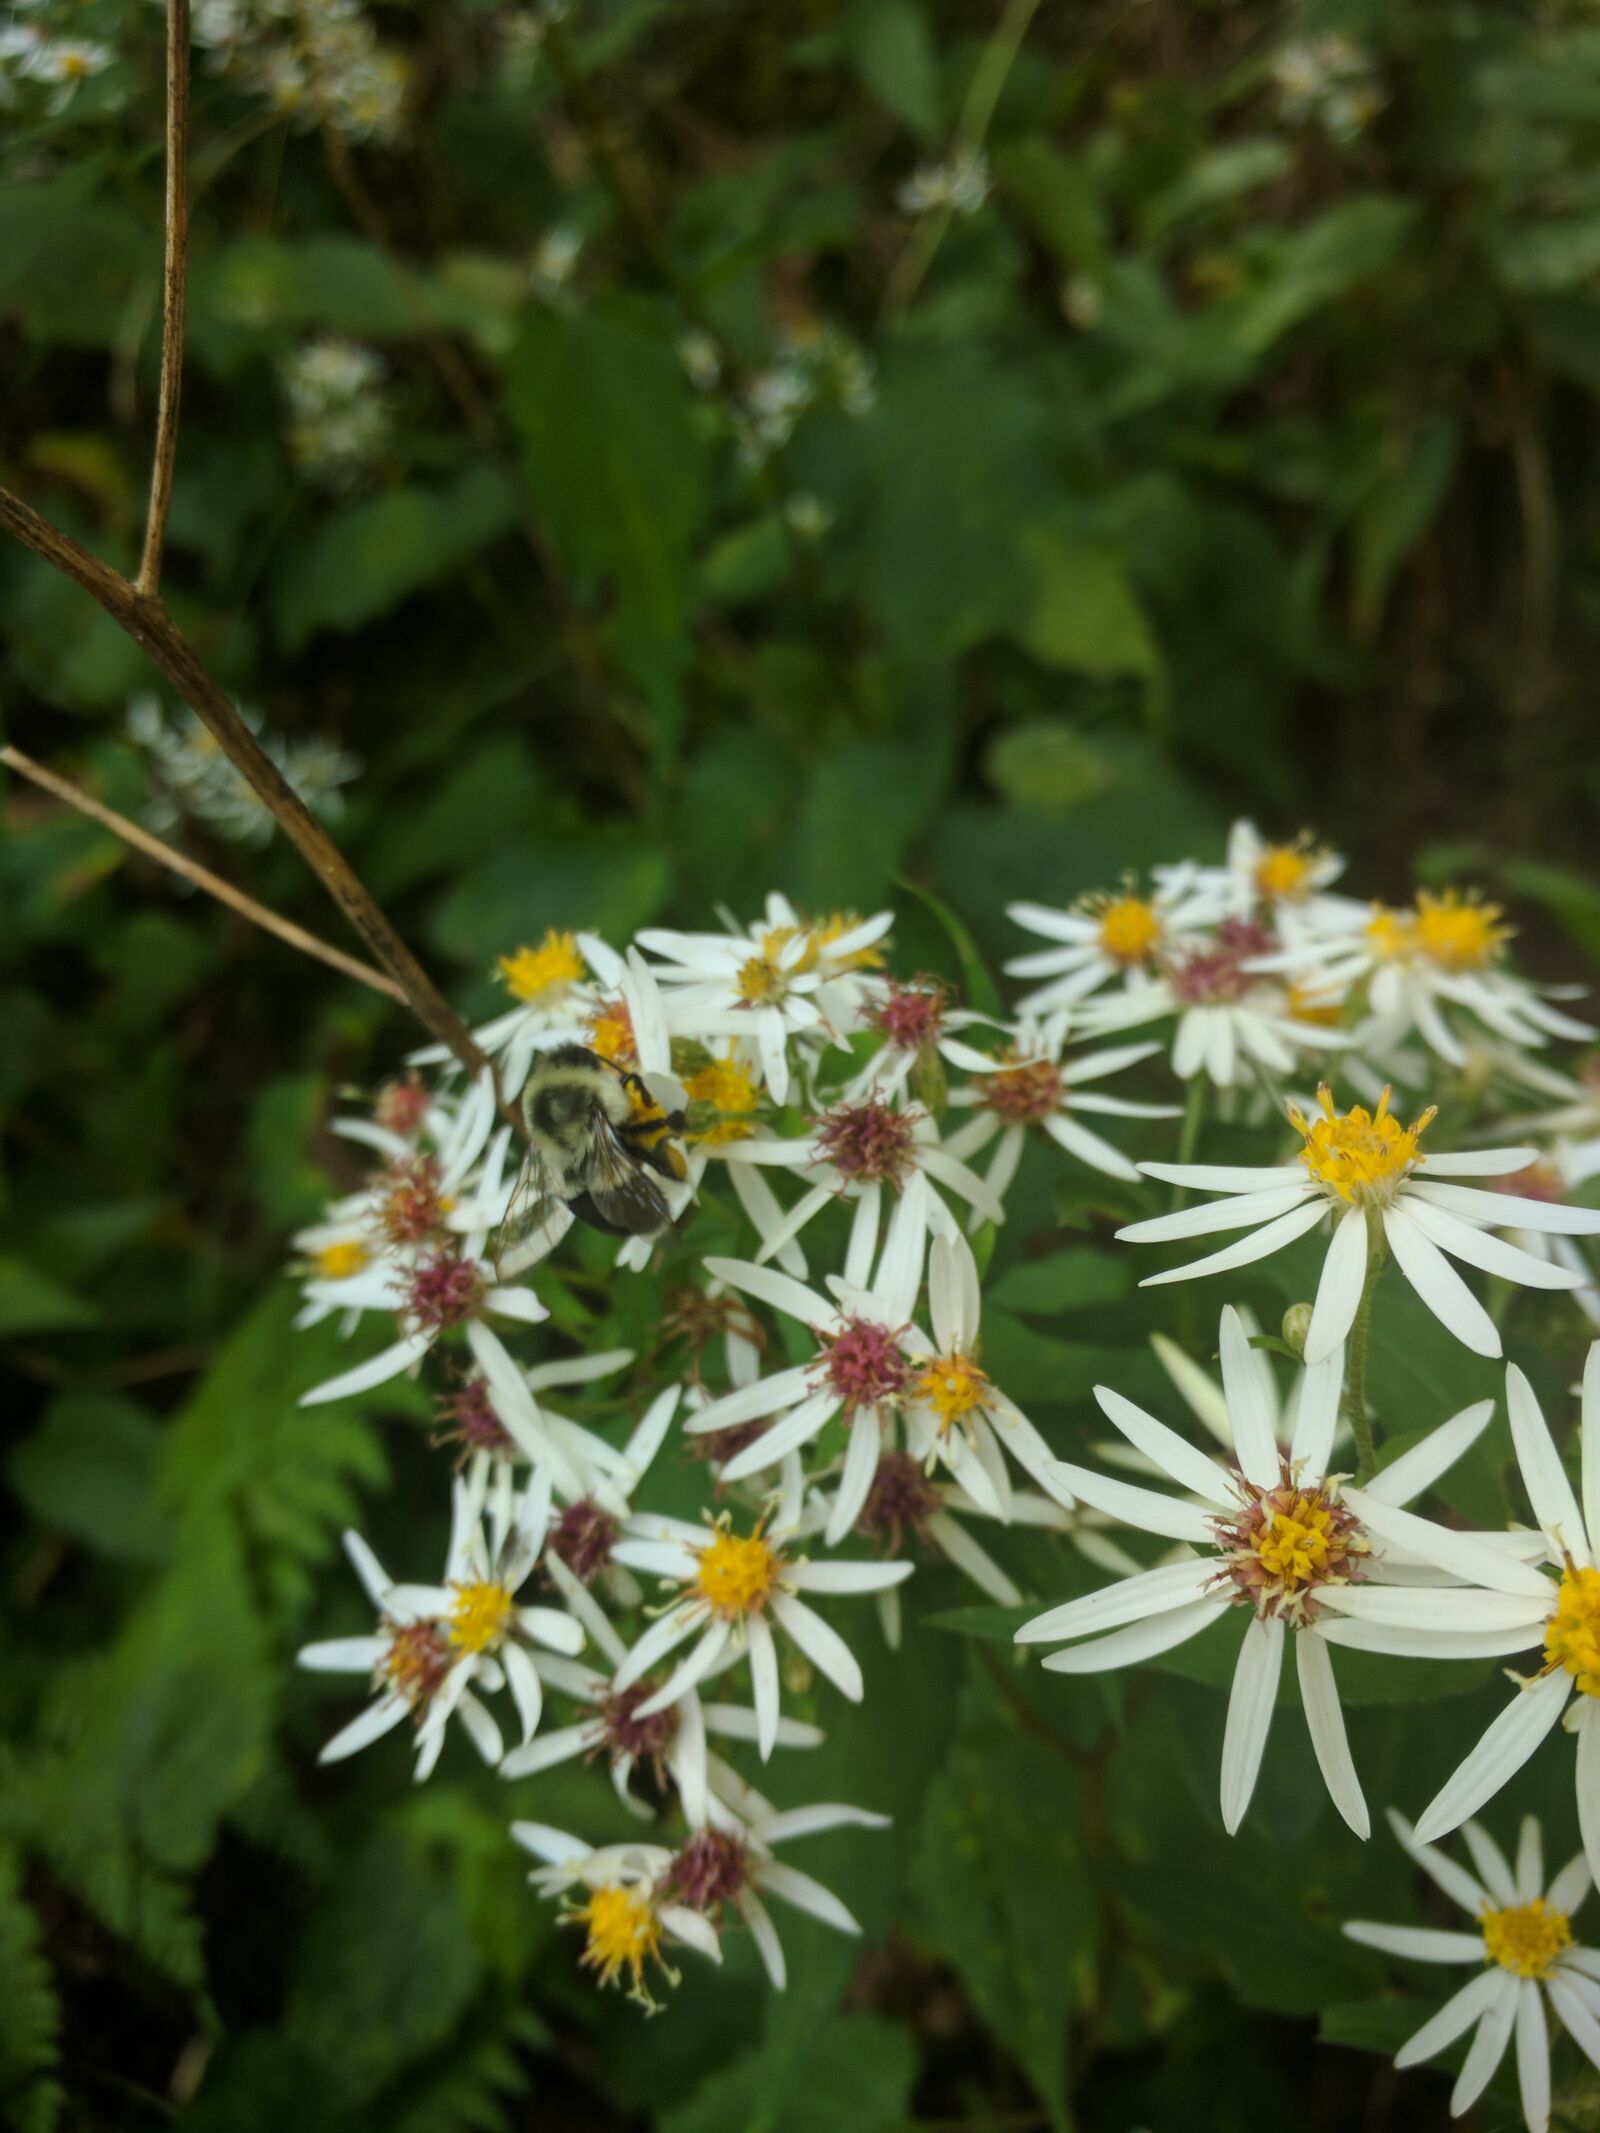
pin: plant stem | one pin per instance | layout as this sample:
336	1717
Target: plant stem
1354	1401
174	280
179	863
1194	1118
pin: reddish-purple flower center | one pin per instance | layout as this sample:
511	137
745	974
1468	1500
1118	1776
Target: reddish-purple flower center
1023	1092
863	1364
583	1536
401	1106
645	1739
1540	1181
467	1417
912	1016
868	1143
901	1500
409	1202
709	1870
1216	974
446	1290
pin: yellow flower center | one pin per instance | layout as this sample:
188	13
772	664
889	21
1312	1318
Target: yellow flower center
760	979
1392	933
1129	929
1525	1937
479	1616
1359	1154
1283	872
624	1933
611	1033
1294	1546
337	1262
736	1574
535	973
724	1087
953	1386
1302	1005
1572	1634
1457	933
835	927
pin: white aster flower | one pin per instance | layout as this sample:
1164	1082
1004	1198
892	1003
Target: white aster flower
730	1589
1523	1933
1284	882
1282	1536
960	184
1561	1612
1559	1171
624	1915
782	978
919	1029
1032	1084
1114	935
1364	1171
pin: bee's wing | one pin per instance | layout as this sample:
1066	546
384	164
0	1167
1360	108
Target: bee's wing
622	1191
529	1213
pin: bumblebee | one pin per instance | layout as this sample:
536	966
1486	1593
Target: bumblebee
594	1135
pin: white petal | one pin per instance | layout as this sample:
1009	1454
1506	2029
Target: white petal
1325	1722
526	1690
552	1748
1571	1885
751	1403
1217	1177
374	1578
1189	1468
1090	1148
1588	1784
860	1471
1480	1248
664	1635
1152	1592
1555	1508
693	1667
1502	1210
1488	2046
376	1720
1145	1509
846	1577
1420	1468
811	1821
1481	1163
1456	1882
1253	1438
1457	2014
764	1681
1530	1861
1418	1944
1255	1687
822	1644
1241	1213
1504	1748
1533	2056
1363	1636
1590	1430
1273	1238
377	1370
1317	1416
1344	1273
779	1290
1460	1553
797	1427
1576	2019
1438	1284
342	1655
805	1894
762	1931
1140	1640
1431	1607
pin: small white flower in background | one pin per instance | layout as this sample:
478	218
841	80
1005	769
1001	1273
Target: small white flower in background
1118	934
626	1920
1286	884
728	1585
919	1028
1364	1170
1231	1021
340	420
1523	1933
1564	1617
808	517
62	62
1446	953
701	360
1559	1171
1031	1083
193	778
961	184
1283	1537
555	258
1331	81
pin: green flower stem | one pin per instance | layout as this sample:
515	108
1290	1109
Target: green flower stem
1354	1402
1194	1117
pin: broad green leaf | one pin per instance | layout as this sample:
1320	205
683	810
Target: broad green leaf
30	1302
1072	1280
857	2072
89	1472
892	51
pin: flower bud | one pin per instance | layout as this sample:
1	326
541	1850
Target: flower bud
1296	1325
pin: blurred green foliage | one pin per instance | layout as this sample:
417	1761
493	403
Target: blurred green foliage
730	527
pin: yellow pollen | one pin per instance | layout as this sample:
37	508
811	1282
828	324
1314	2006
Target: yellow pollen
1392	933
611	1033
1526	1938
1572	1634
736	1575
1129	930
953	1386
1294	1546
760	979
534	973
1457	933
1283	872
1359	1153
624	1933
726	1088
479	1616
833	928
1304	1006
337	1262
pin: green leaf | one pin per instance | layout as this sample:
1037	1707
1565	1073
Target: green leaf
998	1625
1071	1280
893	54
1057	198
89	1472
857	2073
1085	614
981	993
30	1302
369	557
1002	1889
30	2016
1216	179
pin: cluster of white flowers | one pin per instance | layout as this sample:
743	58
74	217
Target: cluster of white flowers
339	414
834	1380
43	47
959	185
193	780
1331	82
318	62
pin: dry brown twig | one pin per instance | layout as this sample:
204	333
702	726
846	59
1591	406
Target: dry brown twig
134	605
